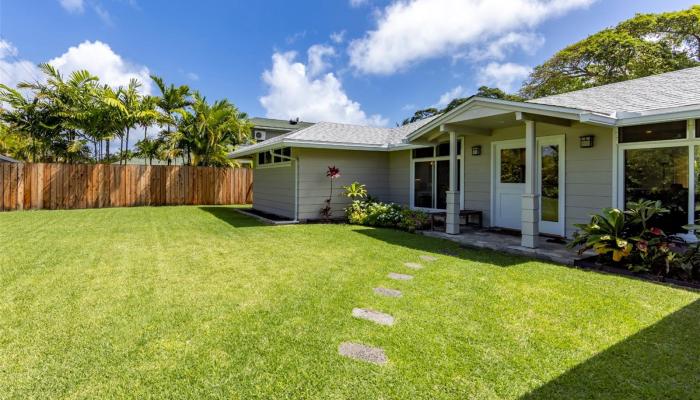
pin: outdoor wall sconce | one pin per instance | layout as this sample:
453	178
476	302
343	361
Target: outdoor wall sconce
586	141
476	150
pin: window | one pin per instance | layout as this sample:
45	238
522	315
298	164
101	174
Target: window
423	152
276	156
513	165
659	174
431	175
652	132
549	183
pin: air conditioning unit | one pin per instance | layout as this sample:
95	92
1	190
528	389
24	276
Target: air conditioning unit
260	135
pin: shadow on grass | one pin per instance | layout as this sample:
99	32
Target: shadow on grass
232	217
443	246
659	362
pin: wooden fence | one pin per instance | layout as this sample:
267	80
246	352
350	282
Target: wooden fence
26	186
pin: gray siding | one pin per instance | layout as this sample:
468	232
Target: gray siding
400	176
274	190
370	168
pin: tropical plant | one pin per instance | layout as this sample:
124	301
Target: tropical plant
355	190
332	174
605	234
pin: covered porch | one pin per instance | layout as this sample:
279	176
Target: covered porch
518	180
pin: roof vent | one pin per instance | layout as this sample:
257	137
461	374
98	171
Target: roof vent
294	121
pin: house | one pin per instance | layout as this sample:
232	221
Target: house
537	167
268	128
6	159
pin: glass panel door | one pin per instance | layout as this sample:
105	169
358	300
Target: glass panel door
423	184
659	174
443	182
549	182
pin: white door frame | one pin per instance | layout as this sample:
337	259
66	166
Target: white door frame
560	227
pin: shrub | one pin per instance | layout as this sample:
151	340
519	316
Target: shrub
629	239
370	212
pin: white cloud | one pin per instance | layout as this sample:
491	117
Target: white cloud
410	31
338	37
294	92
447	97
317	58
74	6
506	76
192	76
498	49
98	58
358	3
14	70
103	14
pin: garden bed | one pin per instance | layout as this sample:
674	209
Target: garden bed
593	264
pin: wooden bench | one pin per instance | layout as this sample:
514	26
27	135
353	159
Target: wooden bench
434	216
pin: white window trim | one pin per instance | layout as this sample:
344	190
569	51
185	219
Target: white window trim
412	176
273	164
690	141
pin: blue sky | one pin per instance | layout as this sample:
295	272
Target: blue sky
356	61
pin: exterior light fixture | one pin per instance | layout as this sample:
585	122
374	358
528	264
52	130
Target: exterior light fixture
586	141
476	150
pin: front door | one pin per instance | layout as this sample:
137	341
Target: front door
509	178
510	183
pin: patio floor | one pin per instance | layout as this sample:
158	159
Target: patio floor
549	249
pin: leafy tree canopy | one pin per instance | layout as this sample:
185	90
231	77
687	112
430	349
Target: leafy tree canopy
644	45
483	91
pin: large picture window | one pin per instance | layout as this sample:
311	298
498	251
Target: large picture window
660	162
431	175
659	174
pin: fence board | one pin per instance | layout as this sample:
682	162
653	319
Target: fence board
34	186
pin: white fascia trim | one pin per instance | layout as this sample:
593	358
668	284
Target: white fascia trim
664	116
597	119
542	109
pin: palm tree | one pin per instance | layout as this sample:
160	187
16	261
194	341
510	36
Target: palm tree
172	101
148	149
211	131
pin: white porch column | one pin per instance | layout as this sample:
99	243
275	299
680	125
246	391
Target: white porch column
531	201
452	222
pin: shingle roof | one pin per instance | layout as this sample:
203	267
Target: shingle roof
281	124
671	89
332	133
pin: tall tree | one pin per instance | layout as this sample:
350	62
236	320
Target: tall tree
171	101
644	45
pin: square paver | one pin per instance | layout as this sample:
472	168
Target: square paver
361	352
413	265
387	292
373	316
428	258
400	277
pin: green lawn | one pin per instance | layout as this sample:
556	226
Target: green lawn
189	302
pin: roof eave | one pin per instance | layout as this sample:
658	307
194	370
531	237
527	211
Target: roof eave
548	110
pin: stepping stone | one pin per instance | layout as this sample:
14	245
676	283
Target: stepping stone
400	277
387	292
413	265
428	258
374	316
361	352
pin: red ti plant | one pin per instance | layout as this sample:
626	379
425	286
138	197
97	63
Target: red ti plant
332	173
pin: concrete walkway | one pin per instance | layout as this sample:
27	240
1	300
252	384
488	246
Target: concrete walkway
508	243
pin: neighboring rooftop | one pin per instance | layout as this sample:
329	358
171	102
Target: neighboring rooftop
669	90
331	133
7	159
279	124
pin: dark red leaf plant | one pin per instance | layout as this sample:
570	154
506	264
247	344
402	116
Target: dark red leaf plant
332	173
